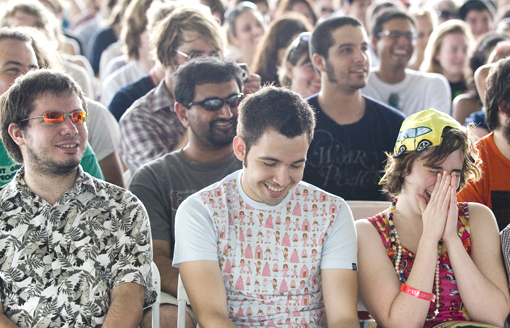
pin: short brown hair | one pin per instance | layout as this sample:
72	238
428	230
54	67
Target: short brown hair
398	168
18	102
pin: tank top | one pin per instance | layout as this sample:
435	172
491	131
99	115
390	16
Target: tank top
451	306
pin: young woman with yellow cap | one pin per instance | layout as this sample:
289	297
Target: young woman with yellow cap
429	261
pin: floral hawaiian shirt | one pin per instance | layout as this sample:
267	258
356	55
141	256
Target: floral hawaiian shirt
59	263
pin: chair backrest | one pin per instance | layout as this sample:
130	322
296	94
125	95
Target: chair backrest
366	208
156	282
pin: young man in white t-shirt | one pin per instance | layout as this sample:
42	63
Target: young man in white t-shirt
261	247
392	83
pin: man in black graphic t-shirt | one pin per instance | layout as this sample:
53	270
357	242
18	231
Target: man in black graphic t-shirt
346	156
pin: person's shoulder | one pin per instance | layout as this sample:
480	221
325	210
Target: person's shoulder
109	191
138	107
383	109
313	101
321	194
428	77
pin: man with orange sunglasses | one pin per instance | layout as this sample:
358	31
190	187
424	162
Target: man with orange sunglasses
76	250
17	57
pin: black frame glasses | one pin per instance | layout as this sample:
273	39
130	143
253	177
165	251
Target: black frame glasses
56	117
214	104
395	35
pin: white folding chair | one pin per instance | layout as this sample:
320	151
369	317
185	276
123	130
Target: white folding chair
156	282
182	302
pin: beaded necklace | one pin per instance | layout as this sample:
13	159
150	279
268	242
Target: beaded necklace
396	245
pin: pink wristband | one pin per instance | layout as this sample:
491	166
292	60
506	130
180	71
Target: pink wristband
417	293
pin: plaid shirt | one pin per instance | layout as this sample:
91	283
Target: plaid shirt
150	128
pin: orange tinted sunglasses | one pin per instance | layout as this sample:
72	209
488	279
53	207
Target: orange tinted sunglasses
78	116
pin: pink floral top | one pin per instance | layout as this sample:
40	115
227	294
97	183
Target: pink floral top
451	308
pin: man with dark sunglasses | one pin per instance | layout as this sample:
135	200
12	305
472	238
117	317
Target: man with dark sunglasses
77	250
346	156
393	37
207	93
150	128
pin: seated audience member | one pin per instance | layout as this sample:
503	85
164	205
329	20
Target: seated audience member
217	7
446	10
246	26
326	8
207	92
372	13
357	9
234	249
17	55
275	41
493	189
135	37
393	36
31	13
303	7
425	23
448	53
106	35
297	72
103	129
479	15
133	91
81	243
444	264
150	128
353	131
470	102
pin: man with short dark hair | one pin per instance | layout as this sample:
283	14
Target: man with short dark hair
77	250
17	57
479	14
493	189
392	83
261	247
353	131
207	92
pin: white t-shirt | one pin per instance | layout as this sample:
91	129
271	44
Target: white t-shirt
118	79
104	131
270	256
418	91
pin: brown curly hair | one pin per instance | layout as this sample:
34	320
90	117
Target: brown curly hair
398	168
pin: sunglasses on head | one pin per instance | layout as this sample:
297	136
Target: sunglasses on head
78	116
215	103
303	37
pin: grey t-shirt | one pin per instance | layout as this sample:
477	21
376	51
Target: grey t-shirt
163	184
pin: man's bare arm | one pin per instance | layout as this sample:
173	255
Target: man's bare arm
169	275
340	291
126	306
204	285
4	321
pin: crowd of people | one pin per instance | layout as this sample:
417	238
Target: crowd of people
221	139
